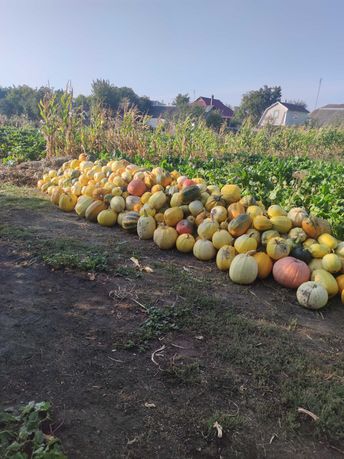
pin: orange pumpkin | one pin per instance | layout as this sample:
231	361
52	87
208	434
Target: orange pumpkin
291	272
315	226
235	209
340	282
239	225
264	264
136	187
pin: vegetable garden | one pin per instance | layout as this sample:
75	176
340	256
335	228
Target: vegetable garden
162	307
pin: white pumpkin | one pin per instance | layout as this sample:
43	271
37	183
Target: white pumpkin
146	226
195	208
312	295
204	250
296	215
243	269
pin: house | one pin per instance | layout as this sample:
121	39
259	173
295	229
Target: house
158	113
329	115
284	114
209	103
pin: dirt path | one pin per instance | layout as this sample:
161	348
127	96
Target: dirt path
62	336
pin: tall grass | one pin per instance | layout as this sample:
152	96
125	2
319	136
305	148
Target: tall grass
67	132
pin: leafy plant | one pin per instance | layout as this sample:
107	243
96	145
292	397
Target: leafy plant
29	434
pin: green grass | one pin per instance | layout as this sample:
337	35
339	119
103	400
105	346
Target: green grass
12	196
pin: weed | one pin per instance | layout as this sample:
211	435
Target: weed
28	433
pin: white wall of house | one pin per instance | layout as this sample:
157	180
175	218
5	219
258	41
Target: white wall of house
275	115
279	115
295	118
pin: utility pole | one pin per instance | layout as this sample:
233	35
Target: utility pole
316	101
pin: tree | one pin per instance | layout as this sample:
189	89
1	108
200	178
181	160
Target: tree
214	120
300	102
253	103
181	101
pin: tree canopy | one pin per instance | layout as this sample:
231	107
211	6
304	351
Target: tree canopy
253	103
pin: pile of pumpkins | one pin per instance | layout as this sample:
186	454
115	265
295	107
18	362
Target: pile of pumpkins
246	239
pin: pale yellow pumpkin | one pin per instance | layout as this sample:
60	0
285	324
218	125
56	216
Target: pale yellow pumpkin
325	279
221	237
318	250
165	237
117	204
331	263
245	243
329	240
277	248
262	223
281	224
243	269
276	211
204	250
224	257
107	217
185	243
207	228
173	215
146	226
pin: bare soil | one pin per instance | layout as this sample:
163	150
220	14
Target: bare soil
74	338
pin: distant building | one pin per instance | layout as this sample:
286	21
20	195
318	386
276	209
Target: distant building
329	115
284	114
209	103
158	113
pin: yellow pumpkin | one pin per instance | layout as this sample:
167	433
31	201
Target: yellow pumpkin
82	205
176	200
340	282
231	193
204	250
269	235
107	217
173	215
318	250
264	264
277	248
55	195
276	211
254	211
207	228
165	237
146	226
331	263
145	197
218	213
245	243
67	202
157	200
281	224
224	257
117	204
308	242
255	234
221	237
147	210
329	240
94	209
243	269
185	243
340	249
196	207
324	278
262	223
314	264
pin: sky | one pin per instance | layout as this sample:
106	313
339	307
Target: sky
164	47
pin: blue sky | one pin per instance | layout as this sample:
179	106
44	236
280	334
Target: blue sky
161	47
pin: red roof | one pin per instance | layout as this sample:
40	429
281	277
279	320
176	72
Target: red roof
225	111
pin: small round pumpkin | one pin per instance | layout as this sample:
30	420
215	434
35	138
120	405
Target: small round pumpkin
231	193
224	257
318	250
243	269
204	250
340	282
267	235
185	243
276	211
67	202
136	187
221	238
314	264
207	228
235	209
277	248
107	217
254	211
296	215
331	263
173	215
196	207
340	249
264	264
218	214
131	201
297	235
184	226
312	295
165	237
262	223
315	226
329	240
157	200
327	280
146	226
245	243
291	272
281	224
